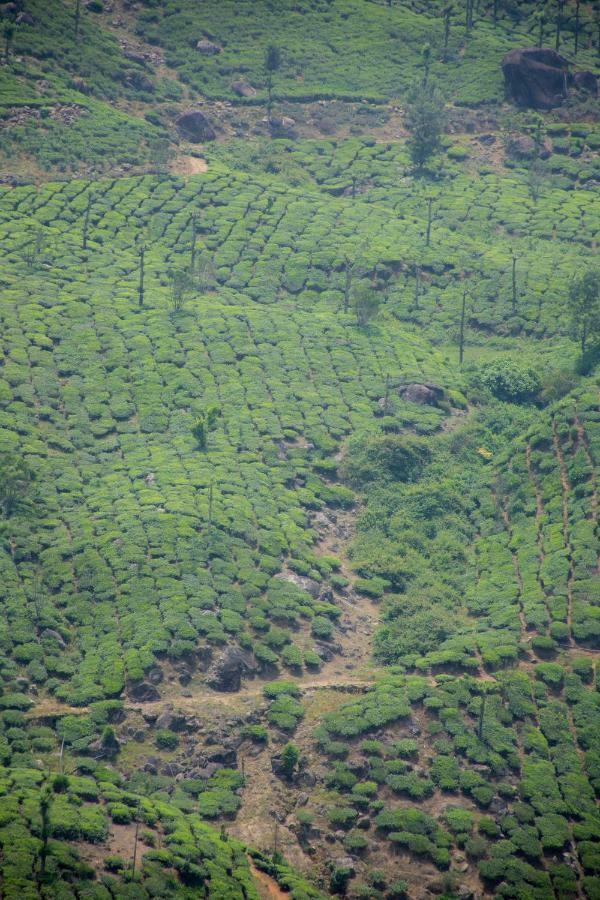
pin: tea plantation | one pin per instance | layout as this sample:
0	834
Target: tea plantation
299	441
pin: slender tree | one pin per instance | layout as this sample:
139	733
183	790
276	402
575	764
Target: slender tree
560	5
447	12
495	12
45	804
514	282
9	34
193	247
366	302
86	221
481	720
584	301
77	18
135	842
348	276
424	121
461	332
426	57
417	286
577	24
141	286
272	65
429	220
540	17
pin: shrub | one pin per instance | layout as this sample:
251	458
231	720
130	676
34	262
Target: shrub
166	740
511	381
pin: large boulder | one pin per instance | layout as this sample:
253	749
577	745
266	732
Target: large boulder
195	127
143	692
242	89
424	394
586	81
536	77
229	668
208	48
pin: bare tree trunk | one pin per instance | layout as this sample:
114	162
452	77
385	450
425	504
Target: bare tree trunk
141	282
461	337
77	18
86	222
429	218
193	248
577	11
417	286
347	285
514	283
559	15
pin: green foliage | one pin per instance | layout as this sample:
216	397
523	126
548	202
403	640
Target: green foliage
16	482
424	122
511	381
584	300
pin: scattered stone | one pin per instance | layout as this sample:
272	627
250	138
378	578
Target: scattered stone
523	146
586	81
536	77
155	675
229	668
423	394
51	633
25	18
143	692
208	48
307	584
195	127
242	89
78	84
221	755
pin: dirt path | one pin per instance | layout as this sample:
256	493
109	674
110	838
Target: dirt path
267	886
189	165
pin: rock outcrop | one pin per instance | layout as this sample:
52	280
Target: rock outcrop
536	77
208	48
229	668
424	394
195	127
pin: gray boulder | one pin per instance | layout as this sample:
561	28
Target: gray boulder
536	77
195	127
208	48
230	667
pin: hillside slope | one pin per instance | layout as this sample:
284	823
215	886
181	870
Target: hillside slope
298	458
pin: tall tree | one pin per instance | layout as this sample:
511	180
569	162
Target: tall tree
584	302
577	24
514	282
193	244
461	332
86	221
417	286
272	65
77	18
560	5
424	122
429	220
141	285
447	12
366	302
9	34
426	57
16	484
